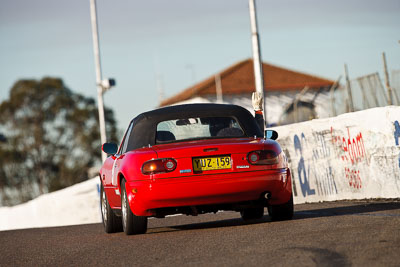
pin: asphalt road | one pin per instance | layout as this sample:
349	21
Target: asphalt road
356	233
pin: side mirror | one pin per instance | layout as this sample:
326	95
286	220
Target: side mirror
110	148
271	134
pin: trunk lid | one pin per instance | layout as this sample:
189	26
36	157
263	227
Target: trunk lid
212	147
212	152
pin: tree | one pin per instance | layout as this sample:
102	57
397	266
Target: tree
50	138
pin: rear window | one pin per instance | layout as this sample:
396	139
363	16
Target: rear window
197	128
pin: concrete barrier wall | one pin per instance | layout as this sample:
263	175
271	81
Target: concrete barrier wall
77	204
352	156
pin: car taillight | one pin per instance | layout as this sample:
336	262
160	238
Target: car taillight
158	166
170	164
262	157
253	157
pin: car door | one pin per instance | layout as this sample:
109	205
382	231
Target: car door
118	157
110	178
111	182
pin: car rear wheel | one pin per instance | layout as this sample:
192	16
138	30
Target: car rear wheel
252	213
111	222
131	223
281	212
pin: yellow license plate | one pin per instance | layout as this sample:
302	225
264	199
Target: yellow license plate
212	163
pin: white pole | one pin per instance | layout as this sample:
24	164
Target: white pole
96	49
218	88
257	62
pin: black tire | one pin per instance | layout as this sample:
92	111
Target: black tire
111	222
252	213
131	223
281	212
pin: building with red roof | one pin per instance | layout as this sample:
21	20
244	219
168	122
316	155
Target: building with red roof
237	83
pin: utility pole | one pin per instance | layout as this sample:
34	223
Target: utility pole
102	85
348	87
257	61
389	89
218	88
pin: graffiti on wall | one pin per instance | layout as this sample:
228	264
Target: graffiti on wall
316	168
303	173
353	178
397	135
351	151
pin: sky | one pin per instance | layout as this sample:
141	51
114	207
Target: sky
180	43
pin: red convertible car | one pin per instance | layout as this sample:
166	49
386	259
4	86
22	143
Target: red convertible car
193	159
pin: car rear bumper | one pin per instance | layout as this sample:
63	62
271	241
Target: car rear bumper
145	196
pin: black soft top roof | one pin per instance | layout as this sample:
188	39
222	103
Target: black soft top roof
145	125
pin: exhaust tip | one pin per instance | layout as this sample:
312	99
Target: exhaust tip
267	195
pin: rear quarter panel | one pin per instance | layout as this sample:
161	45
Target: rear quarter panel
131	164
128	167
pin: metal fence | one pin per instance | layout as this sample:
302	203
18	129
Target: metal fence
367	91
